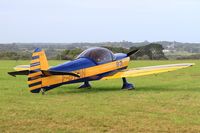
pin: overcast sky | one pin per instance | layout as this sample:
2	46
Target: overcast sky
99	20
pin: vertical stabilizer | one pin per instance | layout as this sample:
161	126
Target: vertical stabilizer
39	62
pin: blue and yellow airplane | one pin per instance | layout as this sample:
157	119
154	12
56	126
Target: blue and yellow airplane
92	64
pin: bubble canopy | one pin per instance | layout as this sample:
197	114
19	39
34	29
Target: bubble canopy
98	54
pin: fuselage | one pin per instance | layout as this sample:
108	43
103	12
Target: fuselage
87	68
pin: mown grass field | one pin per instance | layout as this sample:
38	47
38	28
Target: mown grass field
168	102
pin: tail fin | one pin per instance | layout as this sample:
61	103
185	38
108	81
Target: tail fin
39	62
38	71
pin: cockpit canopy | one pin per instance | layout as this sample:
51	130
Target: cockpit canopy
98	54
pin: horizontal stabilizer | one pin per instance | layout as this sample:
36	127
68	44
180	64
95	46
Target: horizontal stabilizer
22	67
49	73
24	72
45	72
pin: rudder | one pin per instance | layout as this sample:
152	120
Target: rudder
39	62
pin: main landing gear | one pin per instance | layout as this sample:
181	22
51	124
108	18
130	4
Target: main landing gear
42	90
127	85
86	84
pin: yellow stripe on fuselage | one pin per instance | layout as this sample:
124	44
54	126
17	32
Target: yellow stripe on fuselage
34	81
91	71
87	72
35	87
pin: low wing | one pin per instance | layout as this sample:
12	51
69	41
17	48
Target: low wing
141	71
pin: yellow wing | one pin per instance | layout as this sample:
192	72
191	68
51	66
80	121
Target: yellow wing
141	71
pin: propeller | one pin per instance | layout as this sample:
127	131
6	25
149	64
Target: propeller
132	52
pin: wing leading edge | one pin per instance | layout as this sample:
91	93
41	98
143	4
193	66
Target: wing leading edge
142	71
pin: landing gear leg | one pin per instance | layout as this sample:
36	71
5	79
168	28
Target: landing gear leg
127	85
42	91
85	85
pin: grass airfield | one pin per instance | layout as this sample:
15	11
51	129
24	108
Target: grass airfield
167	102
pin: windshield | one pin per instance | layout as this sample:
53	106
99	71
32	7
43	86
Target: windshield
97	54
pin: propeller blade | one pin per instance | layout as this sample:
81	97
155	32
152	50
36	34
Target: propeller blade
132	52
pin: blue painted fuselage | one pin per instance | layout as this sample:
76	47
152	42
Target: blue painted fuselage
82	63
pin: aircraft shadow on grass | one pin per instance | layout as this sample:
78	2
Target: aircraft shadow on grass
116	89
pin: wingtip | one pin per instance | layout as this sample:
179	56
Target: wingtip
189	64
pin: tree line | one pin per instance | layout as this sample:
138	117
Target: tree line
151	51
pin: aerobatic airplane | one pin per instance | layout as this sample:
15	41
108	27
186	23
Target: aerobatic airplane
92	64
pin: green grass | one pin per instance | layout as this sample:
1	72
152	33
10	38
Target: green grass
168	102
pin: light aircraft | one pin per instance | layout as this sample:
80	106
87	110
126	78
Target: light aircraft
95	63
